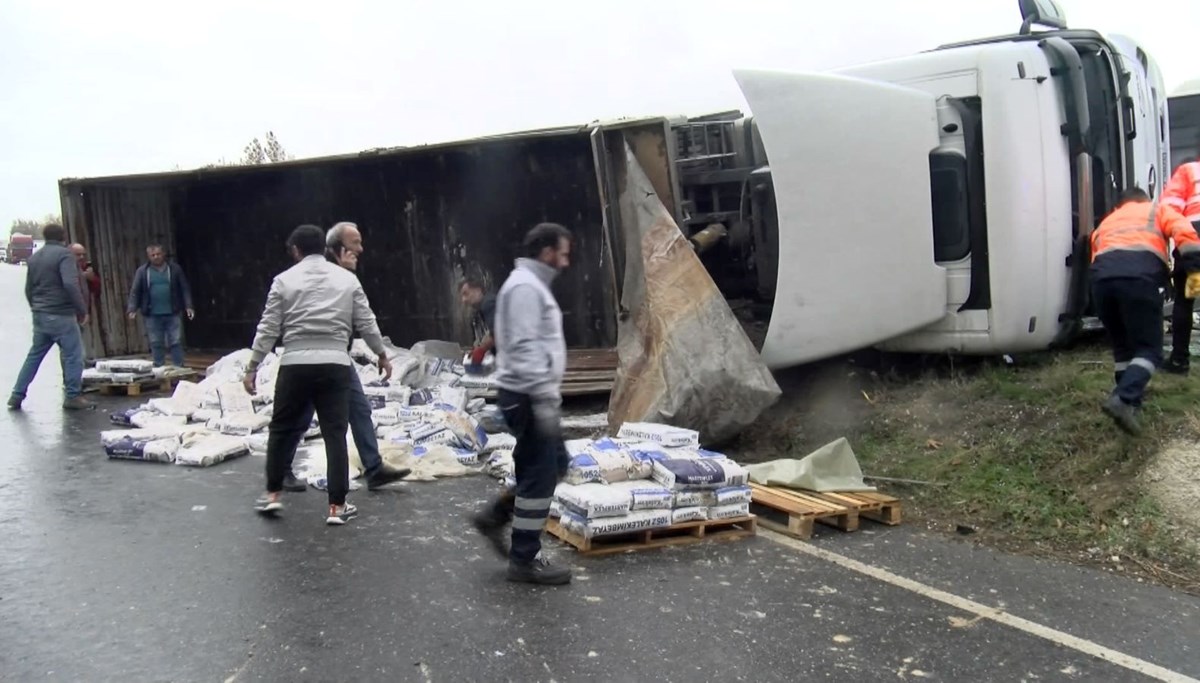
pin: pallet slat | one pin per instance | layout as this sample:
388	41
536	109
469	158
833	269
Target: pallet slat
841	510
686	533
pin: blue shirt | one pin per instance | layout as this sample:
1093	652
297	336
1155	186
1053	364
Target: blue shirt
160	291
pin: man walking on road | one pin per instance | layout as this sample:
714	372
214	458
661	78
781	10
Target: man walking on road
161	293
56	300
312	308
530	367
340	244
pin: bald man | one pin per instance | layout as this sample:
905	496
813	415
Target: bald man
89	281
343	245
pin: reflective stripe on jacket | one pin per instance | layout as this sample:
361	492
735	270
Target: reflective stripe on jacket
1146	227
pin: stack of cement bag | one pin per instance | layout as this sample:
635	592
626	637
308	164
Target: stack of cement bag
427	406
650	476
127	371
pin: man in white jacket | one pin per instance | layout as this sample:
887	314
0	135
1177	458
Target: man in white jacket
530	365
312	308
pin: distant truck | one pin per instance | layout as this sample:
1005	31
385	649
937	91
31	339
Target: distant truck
20	248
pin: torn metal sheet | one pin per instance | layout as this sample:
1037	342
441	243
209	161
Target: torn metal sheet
684	359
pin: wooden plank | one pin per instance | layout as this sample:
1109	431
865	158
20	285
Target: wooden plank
841	510
686	533
791	501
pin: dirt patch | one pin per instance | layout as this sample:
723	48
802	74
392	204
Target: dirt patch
1173	479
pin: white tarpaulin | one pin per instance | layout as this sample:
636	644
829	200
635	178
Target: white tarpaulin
831	467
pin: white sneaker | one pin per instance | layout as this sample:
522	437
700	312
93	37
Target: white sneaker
340	514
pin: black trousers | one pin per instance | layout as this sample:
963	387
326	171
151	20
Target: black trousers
298	389
1181	314
540	461
1131	310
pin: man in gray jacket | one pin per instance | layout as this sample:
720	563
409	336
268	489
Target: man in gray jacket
312	308
56	301
530	365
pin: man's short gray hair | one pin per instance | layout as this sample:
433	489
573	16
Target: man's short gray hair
334	237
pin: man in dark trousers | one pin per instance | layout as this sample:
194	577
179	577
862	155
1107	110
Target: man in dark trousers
1182	193
474	295
161	294
530	366
312	308
1129	263
56	300
343	245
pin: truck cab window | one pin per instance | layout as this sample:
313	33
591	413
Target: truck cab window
948	186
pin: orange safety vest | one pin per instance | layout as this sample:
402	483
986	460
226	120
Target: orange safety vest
1183	191
1142	226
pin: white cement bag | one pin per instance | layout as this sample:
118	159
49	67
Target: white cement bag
468	432
241	424
606	526
172	407
129	366
556	509
593	500
606	461
688	514
158	450
496	442
208	450
112	436
732	495
733	511
385	417
686	498
671	437
499	464
146	419
645	494
206	414
257	443
709	473
234	399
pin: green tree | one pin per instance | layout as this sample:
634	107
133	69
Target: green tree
33	228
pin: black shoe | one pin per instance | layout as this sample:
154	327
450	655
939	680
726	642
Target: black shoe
491	529
540	572
14	402
1123	414
291	483
1175	366
385	475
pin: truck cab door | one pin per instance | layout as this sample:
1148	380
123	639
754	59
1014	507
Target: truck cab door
850	164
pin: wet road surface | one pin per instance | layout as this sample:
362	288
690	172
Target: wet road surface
146	572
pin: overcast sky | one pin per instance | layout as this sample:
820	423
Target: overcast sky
102	88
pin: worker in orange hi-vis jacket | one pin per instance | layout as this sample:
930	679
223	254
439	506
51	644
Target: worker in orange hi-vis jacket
1182	194
1129	263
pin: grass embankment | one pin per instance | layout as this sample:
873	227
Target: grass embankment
1019	455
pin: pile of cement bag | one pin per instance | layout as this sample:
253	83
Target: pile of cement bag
429	412
649	476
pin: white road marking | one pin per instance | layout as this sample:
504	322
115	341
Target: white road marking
1086	647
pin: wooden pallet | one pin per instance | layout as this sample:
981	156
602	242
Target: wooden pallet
686	533
802	509
144	386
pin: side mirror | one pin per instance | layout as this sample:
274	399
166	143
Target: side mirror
1045	13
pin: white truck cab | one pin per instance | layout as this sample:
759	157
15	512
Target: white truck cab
943	202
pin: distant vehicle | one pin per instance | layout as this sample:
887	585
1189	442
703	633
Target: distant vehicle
4	253
20	248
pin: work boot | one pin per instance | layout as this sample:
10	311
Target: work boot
540	572
78	403
1176	366
1123	414
291	483
15	401
386	474
492	529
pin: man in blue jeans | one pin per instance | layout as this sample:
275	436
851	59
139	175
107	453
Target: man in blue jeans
56	301
161	293
344	246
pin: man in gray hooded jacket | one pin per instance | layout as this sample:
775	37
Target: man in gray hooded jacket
530	365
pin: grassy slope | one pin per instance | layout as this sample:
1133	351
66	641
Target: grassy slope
1021	453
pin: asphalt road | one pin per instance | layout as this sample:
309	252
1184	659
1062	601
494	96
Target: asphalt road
143	572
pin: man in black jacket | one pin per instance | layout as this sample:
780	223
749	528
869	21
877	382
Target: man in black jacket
56	300
161	293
